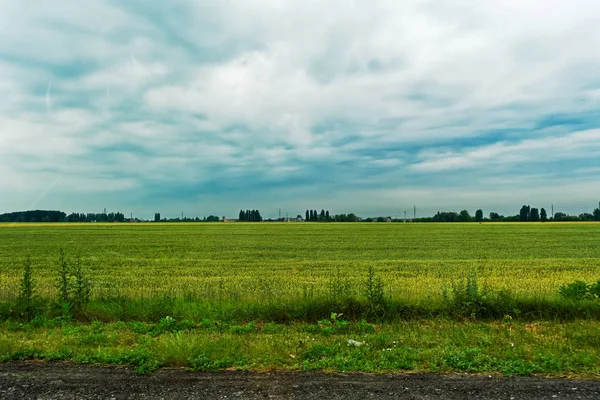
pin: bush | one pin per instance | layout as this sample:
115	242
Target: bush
467	298
26	298
374	292
74	286
594	290
576	291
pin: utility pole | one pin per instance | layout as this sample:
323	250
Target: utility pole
414	213
280	213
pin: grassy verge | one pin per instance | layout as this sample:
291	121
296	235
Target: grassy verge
437	345
487	307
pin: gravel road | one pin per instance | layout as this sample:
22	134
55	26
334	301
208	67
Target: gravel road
67	381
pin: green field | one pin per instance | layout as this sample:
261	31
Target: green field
262	296
283	261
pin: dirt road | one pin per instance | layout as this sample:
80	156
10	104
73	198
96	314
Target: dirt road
66	381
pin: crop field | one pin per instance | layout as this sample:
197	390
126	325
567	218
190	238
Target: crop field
341	297
259	262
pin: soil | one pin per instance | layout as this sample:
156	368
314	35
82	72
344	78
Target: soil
68	381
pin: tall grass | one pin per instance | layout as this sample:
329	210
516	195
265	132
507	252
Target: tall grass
469	298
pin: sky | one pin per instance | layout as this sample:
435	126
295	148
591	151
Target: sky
372	107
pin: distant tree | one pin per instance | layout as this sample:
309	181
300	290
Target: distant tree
445	217
327	215
464	216
157	217
597	214
322	216
380	219
543	215
524	213
586	217
479	215
307	216
34	216
241	216
559	216
534	214
494	216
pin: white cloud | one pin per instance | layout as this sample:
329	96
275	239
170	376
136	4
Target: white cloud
577	145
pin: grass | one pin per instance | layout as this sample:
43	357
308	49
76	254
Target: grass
437	297
283	261
436	345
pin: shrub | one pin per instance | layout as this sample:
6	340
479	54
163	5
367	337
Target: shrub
576	291
467	298
64	291
374	292
82	287
594	290
26	297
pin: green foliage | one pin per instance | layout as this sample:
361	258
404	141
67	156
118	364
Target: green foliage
272	328
464	216
244	329
74	286
580	290
525	213
204	362
374	292
468	299
27	292
339	287
318	351
81	286
479	215
64	291
594	290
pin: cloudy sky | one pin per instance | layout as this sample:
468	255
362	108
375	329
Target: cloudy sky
371	106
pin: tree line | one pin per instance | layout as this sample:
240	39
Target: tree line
250	216
34	216
210	218
526	214
315	216
325	216
96	217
